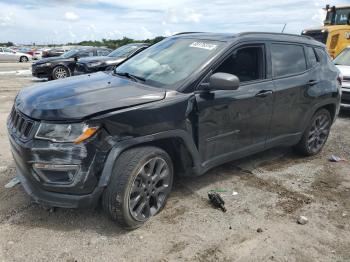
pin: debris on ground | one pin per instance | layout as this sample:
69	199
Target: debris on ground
13	182
259	230
219	190
302	220
3	169
234	193
335	158
217	200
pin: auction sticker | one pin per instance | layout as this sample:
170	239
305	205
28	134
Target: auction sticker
203	45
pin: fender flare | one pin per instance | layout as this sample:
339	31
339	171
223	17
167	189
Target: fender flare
123	145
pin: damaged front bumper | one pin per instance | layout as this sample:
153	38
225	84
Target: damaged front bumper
60	174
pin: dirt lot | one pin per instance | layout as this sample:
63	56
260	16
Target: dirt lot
273	188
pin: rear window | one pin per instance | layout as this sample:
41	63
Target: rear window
311	56
287	59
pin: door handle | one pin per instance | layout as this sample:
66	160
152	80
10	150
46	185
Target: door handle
312	82
264	93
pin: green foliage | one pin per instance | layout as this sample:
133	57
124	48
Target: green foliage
7	44
115	43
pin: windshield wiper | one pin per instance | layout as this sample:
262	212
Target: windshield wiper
131	76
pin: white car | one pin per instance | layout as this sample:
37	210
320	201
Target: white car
342	62
8	55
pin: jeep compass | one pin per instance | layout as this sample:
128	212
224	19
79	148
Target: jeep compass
181	107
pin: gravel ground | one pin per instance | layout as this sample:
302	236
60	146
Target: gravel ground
274	188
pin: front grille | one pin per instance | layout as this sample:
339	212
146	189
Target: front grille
20	126
318	35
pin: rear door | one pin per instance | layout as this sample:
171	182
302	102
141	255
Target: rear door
291	78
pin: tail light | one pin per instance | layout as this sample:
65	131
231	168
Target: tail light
340	79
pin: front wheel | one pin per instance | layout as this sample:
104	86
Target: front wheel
316	134
139	186
60	72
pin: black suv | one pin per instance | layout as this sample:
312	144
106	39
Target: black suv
64	65
109	62
182	106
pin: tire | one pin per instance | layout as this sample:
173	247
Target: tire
60	72
136	191
23	59
316	134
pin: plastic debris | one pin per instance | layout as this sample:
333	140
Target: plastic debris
13	182
335	158
234	193
217	200
302	220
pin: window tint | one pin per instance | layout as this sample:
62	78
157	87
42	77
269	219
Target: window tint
246	63
322	55
287	59
102	52
311	57
86	53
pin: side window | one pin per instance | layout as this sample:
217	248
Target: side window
322	55
247	63
102	52
287	59
311	56
86	54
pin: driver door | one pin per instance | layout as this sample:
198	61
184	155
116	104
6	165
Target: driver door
234	123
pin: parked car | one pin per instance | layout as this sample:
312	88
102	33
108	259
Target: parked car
181	107
63	66
53	52
342	62
36	54
8	55
109	62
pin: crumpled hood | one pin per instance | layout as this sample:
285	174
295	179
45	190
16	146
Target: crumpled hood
78	97
105	59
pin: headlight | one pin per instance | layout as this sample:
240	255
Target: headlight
94	64
45	64
73	133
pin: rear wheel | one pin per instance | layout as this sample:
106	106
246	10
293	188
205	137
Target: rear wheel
139	187
23	59
60	72
316	134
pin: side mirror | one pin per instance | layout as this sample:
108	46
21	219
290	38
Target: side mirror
223	81
76	58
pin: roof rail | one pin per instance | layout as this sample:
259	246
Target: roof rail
274	33
183	33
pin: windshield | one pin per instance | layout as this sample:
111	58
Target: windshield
123	51
70	53
170	61
337	16
343	58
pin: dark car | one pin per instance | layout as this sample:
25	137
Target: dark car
53	52
63	66
109	62
180	107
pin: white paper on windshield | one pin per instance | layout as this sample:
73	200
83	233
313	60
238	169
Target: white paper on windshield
203	45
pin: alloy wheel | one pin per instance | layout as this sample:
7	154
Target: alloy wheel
150	189
61	72
319	132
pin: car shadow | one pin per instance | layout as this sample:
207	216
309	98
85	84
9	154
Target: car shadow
96	220
344	114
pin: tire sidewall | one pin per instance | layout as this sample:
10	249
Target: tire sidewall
23	59
125	194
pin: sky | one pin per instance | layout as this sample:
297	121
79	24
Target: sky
62	21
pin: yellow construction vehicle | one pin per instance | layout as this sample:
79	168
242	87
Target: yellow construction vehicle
335	33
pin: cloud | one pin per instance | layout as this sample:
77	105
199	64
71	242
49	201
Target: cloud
71	16
140	19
